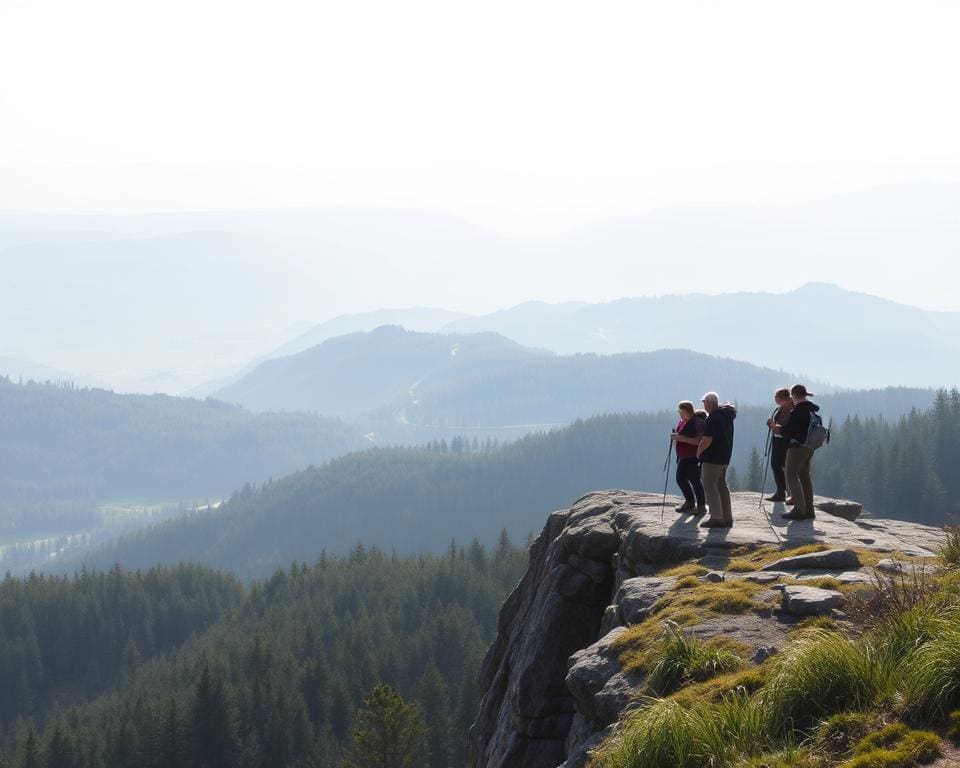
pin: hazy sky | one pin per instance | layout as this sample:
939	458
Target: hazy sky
521	114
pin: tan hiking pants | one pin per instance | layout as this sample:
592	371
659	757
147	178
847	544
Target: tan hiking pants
716	490
798	478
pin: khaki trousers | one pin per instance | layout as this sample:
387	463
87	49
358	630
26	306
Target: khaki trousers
717	492
798	478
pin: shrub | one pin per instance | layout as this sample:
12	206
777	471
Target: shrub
890	595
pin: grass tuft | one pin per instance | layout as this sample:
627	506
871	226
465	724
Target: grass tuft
820	674
666	732
788	758
709	599
840	732
953	731
816	622
688	582
895	746
931	673
686	569
950	551
682	659
745	681
823	582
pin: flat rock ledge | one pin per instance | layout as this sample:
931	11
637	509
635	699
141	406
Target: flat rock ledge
553	687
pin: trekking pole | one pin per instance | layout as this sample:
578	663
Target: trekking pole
766	466
666	479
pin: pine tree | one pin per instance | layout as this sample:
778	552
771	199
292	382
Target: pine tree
61	752
433	696
171	745
389	733
215	740
32	757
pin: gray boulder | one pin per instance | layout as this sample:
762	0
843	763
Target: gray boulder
810	601
829	559
637	596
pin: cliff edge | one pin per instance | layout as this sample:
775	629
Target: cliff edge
555	681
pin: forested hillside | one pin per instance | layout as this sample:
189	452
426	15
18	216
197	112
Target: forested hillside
65	640
274	683
418	499
63	447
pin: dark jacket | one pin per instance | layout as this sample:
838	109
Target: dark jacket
719	426
797	426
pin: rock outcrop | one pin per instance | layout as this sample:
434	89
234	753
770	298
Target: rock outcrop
552	681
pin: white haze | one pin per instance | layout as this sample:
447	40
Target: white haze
467	156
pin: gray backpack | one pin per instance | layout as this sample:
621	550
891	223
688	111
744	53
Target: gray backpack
817	434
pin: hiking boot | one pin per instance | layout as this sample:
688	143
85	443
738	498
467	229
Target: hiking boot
711	522
777	497
687	506
701	509
795	514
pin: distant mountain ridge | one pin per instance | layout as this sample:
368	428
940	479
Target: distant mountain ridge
485	379
426	319
819	330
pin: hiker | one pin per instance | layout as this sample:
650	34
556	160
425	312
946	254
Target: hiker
714	452
687	438
799	453
779	443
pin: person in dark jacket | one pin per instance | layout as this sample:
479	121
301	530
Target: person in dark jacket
798	454
779	443
714	452
687	438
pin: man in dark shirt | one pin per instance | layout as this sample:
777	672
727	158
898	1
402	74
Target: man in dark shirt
714	452
799	455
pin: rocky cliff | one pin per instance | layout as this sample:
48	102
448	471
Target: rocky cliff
553	681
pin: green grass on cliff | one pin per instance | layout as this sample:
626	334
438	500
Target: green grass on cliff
880	699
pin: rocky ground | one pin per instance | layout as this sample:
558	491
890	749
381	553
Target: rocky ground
555	680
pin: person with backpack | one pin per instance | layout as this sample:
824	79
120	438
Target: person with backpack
804	432
779	443
714	451
687	438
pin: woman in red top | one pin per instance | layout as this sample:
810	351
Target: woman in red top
686	437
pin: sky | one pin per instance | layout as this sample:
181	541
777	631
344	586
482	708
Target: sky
526	116
601	149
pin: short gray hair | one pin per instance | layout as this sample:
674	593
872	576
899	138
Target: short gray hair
711	397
